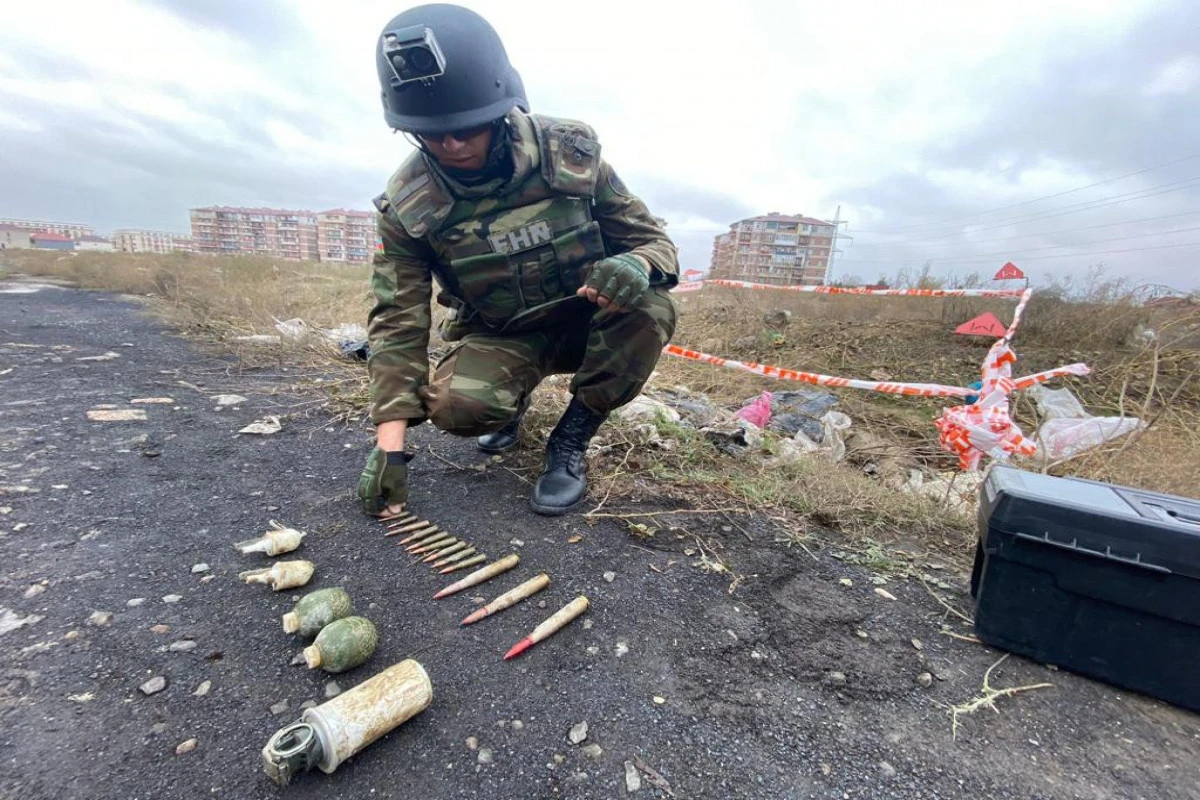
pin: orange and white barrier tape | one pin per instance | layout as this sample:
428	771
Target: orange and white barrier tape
783	373
985	427
863	290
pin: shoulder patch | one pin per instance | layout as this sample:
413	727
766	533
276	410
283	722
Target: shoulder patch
381	203
616	184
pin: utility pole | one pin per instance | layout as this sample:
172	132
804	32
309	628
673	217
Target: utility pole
837	223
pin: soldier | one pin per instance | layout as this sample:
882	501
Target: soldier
544	259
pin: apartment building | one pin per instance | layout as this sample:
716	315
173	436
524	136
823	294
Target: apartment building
337	235
775	248
132	240
14	238
69	229
346	235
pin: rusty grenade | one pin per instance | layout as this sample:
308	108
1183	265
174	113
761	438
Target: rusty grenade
342	644
316	610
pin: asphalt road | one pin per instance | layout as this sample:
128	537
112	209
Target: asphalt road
95	516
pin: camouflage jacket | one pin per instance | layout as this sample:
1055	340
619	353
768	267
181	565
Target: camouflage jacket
507	255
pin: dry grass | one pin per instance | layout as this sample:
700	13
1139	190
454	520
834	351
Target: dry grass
216	300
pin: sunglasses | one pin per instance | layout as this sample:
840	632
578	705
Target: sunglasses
462	134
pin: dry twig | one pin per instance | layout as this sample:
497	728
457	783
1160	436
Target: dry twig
988	697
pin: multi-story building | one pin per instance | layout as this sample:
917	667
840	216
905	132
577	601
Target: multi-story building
69	229
52	241
274	232
775	248
346	235
14	238
131	240
336	235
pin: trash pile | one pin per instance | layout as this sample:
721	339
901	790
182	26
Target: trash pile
350	338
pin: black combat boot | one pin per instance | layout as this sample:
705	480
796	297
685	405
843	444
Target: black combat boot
563	482
504	438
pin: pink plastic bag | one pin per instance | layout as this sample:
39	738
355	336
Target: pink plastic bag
757	413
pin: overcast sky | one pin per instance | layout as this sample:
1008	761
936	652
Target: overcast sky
940	128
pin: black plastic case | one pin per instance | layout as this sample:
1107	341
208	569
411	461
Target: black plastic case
1099	579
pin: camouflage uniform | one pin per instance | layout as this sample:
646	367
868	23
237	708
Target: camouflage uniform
508	257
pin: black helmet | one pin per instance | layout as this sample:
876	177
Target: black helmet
443	68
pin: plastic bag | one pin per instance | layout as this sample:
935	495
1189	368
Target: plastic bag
1057	403
1067	436
758	412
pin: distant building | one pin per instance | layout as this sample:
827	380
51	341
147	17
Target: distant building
775	248
14	238
130	240
279	233
52	241
337	235
345	235
95	243
69	229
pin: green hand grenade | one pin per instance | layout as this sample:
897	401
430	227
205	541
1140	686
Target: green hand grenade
316	610
342	644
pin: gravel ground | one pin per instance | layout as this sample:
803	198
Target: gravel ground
795	685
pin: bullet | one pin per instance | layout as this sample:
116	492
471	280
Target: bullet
470	562
556	621
396	519
454	559
394	530
454	548
479	575
434	551
434	546
423	547
509	598
421	535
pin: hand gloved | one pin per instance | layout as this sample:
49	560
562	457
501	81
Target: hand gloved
618	279
384	481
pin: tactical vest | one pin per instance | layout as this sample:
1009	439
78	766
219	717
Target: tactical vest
511	261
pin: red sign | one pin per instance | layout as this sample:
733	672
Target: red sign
1008	272
692	275
985	324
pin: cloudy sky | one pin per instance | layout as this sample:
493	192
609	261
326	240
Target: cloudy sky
1056	133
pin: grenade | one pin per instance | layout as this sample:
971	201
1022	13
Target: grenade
273	542
316	610
342	644
281	575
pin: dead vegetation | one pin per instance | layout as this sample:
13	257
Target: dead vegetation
1145	364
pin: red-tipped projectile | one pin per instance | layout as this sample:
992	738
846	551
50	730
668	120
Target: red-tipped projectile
519	647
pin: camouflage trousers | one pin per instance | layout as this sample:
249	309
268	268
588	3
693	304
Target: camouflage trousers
485	380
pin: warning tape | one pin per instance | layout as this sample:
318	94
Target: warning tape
970	431
863	290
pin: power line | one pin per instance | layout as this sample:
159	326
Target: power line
904	243
1087	205
1031	258
1036	199
1014	253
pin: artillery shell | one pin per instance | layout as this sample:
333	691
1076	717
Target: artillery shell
509	598
479	575
556	621
454	559
470	562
